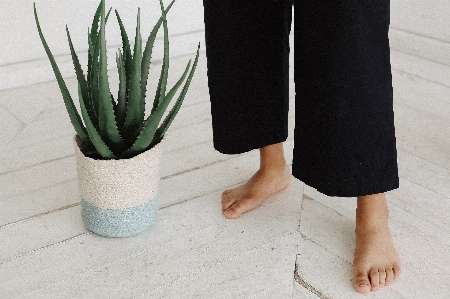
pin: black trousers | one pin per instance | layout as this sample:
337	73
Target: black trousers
344	138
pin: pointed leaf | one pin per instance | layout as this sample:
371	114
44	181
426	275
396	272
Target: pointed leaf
146	59
128	59
81	79
171	115
94	30
99	144
92	39
107	122
121	98
93	61
94	81
161	89
148	132
107	16
135	115
71	109
168	98
95	22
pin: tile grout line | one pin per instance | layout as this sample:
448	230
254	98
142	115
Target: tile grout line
113	262
87	233
271	288
417	216
40	214
14	116
419	77
34	165
306	285
43	247
219	263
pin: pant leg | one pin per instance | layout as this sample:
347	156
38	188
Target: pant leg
344	132
247	49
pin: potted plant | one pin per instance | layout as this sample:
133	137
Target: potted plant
117	149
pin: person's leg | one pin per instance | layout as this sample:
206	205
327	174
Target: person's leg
248	60
247	47
344	132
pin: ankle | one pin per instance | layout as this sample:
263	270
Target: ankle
372	211
272	158
273	168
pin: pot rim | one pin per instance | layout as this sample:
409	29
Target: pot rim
77	140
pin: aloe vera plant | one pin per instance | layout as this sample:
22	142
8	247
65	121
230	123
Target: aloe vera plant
118	129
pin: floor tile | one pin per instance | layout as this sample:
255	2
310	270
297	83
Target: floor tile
26	102
10	125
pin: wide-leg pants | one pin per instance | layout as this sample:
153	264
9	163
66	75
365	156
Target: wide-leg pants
344	138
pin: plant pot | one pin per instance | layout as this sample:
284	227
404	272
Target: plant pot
118	197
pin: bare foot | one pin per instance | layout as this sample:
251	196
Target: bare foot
376	263
248	196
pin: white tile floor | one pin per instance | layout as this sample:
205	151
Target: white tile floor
298	244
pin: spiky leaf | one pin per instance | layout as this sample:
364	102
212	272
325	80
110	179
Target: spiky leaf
135	115
121	98
100	146
92	39
93	63
71	109
94	76
81	79
171	115
128	59
92	36
168	98
107	126
147	56
161	89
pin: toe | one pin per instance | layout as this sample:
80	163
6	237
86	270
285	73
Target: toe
397	271
238	208
374	279
389	276
227	200
382	277
234	210
361	283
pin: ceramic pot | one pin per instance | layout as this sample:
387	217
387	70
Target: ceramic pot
118	197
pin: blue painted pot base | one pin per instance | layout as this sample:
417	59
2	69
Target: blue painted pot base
119	223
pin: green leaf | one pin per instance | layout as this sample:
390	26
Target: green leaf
95	21
107	16
94	30
134	114
161	90
146	59
171	115
92	39
94	76
100	146
107	126
93	62
121	98
81	79
126	49
71	109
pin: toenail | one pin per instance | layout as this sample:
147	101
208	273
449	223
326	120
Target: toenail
229	212
363	284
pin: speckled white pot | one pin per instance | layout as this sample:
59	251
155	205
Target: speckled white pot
119	197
